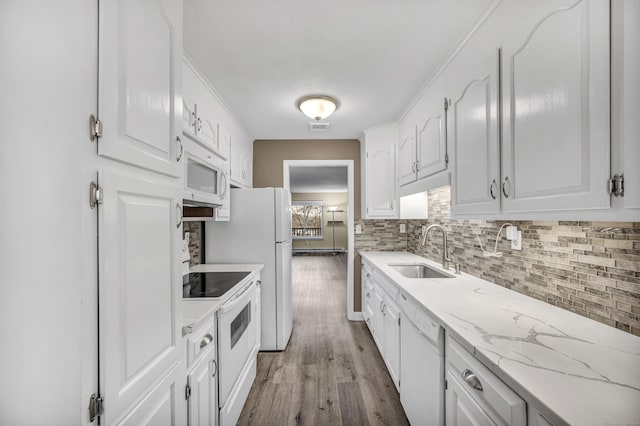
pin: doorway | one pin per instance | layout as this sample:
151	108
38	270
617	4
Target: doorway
321	186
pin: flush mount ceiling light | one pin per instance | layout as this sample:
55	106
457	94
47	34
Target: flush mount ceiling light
317	107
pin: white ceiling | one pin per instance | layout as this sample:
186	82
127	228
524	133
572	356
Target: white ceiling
373	55
318	179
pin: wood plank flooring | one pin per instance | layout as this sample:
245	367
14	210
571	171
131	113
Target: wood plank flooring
331	372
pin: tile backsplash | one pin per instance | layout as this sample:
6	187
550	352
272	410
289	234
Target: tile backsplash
195	230
590	268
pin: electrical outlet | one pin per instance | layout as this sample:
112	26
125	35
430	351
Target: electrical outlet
516	243
403	228
358	228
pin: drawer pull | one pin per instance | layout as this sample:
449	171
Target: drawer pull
206	340
470	378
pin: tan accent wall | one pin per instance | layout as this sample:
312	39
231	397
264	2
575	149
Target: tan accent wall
268	156
337	199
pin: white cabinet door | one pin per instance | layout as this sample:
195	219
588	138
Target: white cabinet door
391	338
199	118
157	407
625	57
556	146
407	157
476	140
461	409
432	140
380	184
203	404
247	163
140	52
377	320
140	286
224	141
236	160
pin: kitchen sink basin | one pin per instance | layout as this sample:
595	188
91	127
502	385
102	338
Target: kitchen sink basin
418	270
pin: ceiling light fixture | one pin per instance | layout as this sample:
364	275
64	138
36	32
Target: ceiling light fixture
317	107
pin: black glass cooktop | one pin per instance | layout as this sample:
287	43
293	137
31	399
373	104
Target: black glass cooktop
210	284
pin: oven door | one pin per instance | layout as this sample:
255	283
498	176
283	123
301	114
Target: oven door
236	338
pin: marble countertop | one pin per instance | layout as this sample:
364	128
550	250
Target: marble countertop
194	311
573	369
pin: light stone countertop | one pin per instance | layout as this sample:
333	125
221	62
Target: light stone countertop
573	369
194	311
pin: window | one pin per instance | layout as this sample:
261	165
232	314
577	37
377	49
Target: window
306	220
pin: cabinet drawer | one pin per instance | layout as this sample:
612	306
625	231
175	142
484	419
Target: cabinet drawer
495	397
200	340
389	288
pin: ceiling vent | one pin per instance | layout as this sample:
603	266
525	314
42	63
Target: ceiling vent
315	126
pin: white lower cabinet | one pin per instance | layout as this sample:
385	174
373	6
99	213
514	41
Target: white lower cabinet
382	316
202	407
202	378
391	338
475	396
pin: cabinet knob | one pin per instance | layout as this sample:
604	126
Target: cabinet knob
471	379
179	210
208	338
506	182
180	148
493	184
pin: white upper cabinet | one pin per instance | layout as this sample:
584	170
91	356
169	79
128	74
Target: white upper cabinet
241	162
476	139
139	83
625	66
556	144
432	139
407	153
200	110
380	194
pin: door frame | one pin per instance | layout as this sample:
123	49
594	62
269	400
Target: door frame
286	183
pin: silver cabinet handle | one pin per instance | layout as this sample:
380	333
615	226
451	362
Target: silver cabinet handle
491	189
403	296
368	295
179	209
208	338
181	151
417	166
193	119
199	127
413	167
381	306
504	190
471	379
383	312
214	368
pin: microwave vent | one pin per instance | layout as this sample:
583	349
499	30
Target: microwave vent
319	127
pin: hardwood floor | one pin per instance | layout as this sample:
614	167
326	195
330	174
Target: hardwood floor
331	372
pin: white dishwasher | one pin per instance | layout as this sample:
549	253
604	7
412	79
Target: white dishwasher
421	365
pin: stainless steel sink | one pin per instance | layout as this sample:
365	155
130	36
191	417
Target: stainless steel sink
418	270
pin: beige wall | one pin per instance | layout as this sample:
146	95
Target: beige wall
268	156
337	199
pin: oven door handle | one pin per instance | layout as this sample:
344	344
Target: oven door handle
236	299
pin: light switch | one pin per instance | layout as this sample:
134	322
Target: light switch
403	228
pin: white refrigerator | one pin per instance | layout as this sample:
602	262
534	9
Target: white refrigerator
260	232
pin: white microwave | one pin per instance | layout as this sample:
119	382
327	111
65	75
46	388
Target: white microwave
206	182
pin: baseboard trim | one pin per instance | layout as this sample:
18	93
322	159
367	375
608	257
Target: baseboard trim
355	316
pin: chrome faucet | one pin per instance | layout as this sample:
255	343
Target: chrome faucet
445	251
